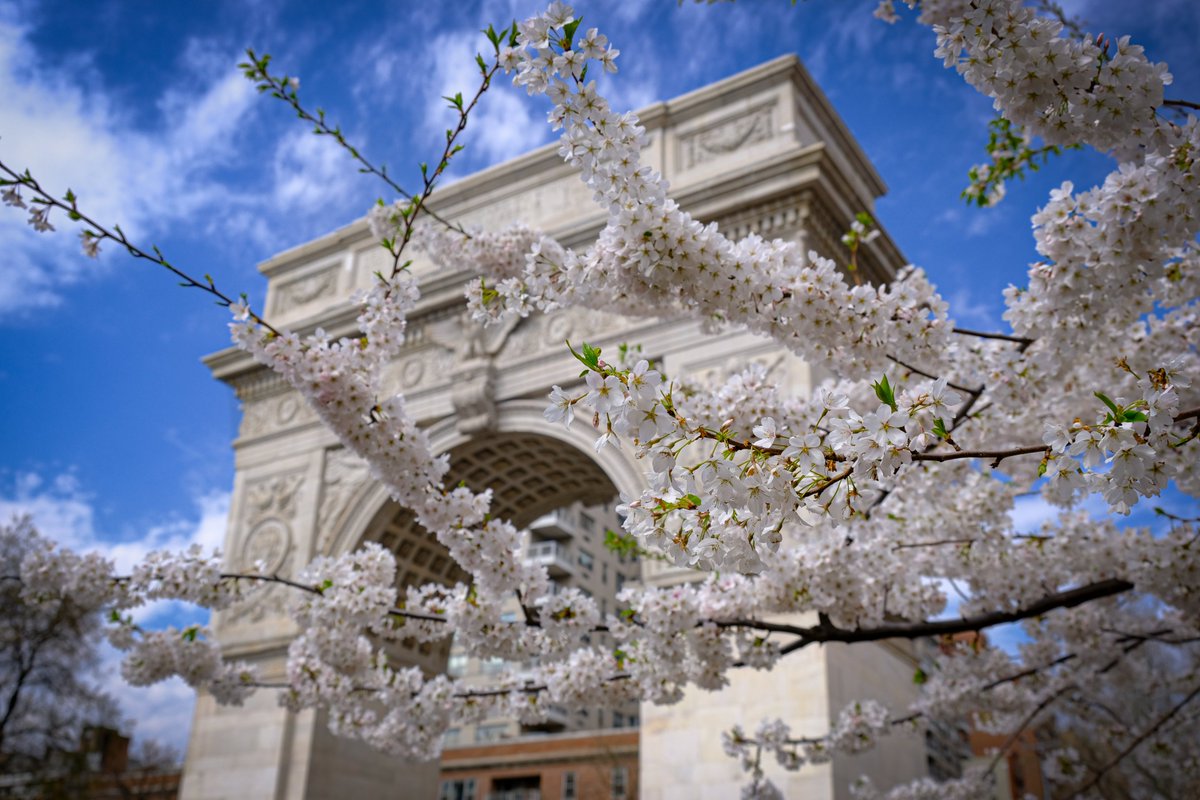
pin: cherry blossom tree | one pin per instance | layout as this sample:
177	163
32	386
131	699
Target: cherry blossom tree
905	467
48	646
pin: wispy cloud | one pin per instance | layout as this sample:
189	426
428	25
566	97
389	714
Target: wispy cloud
968	310
64	511
59	121
504	126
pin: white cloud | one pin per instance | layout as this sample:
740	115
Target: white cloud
61	122
965	309
59	507
311	173
502	126
63	511
1031	511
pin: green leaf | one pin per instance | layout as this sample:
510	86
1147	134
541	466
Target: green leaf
589	357
920	677
939	428
885	393
569	31
1111	405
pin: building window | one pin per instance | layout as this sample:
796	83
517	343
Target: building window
586	559
451	737
493	666
620	783
620	582
586	522
569	791
458	790
457	665
604	572
618	719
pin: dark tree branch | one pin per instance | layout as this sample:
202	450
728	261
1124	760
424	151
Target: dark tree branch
827	632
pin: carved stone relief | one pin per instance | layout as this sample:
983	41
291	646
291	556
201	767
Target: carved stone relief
727	136
304	290
558	199
269	510
344	475
265	415
543	333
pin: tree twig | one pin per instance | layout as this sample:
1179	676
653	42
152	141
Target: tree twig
1143	736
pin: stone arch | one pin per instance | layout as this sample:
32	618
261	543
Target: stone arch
532	468
550	452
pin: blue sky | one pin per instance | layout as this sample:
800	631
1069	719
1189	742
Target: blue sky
112	431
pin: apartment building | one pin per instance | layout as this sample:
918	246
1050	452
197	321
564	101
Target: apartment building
570	543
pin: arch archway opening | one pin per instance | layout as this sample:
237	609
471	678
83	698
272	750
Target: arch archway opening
534	479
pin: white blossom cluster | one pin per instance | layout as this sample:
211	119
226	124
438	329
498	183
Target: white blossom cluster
653	258
856	510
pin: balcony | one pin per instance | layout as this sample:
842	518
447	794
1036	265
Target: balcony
554	556
555	525
557	719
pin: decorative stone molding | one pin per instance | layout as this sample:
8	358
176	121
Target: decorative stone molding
273	497
782	218
270	414
343	477
472	377
727	136
304	290
714	373
546	333
268	512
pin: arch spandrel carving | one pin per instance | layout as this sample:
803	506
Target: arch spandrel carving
266	544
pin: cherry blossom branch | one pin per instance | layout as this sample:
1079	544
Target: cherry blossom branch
1025	723
996	455
1024	341
285	88
417	204
925	374
99	232
906	545
1181	104
827	632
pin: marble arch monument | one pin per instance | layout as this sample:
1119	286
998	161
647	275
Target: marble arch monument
762	151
